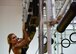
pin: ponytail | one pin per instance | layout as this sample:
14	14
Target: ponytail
10	47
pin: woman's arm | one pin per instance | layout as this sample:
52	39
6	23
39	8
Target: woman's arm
22	43
26	39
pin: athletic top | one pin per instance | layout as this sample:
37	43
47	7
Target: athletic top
23	50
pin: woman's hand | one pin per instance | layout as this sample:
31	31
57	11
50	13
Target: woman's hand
53	22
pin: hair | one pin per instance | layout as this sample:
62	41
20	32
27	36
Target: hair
9	39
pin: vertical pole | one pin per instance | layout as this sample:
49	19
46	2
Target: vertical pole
49	16
61	46
54	9
40	29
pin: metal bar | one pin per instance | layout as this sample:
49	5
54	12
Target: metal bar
62	11
61	46
49	16
54	9
40	28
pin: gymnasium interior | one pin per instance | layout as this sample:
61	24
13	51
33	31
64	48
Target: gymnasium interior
58	38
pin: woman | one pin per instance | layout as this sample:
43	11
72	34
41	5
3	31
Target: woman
20	46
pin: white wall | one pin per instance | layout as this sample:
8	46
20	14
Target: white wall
10	21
